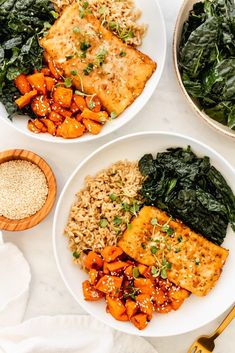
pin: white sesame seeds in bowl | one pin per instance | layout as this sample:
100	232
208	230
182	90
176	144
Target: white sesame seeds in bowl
27	189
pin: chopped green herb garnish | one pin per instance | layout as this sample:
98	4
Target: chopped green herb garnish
69	56
125	206
113	197
163	273
76	254
143	245
102	10
180	239
91	105
68	82
82	55
85	4
103	223
135	272
168	246
82	13
197	261
154	271
129	226
74	72
80	93
113	115
153	249
76	30
154	221
177	250
134	208
54	14
167	229
100	57
122	54
117	221
88	69
84	46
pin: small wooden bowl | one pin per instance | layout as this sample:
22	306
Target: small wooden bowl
182	17
31	221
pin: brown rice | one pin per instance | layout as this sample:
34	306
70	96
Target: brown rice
120	17
103	208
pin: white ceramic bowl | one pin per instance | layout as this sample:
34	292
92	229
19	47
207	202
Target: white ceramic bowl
196	311
182	17
154	45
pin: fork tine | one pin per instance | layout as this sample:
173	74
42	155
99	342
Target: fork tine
195	348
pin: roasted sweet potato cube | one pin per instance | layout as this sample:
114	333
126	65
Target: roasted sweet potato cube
159	296
50	83
129	272
176	303
55	71
116	308
79	101
41	106
142	269
93	275
144	285
51	127
55	117
33	128
111	253
116	266
140	321
100	117
92	126
25	99
131	308
105	268
22	84
176	293
164	308
109	285
145	305
63	96
93	103
37	81
93	260
90	293
71	128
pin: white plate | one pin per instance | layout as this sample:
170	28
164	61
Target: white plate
154	45
196	311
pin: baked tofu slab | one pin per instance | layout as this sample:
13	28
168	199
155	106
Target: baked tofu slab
196	263
119	72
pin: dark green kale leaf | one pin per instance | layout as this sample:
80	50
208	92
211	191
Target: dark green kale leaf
22	23
207	58
189	188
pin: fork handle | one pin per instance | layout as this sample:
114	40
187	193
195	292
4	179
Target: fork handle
225	323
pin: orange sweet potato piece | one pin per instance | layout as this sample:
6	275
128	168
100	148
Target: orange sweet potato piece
22	84
41	105
178	293
32	127
39	124
46	71
140	321
51	127
71	128
100	117
93	260
117	265
145	305
93	275
50	83
63	96
109	285
144	285
159	297
110	253
74	108
55	71
93	127
164	308
131	308
55	117
25	99
129	272
37	81
105	268
176	304
90	293
142	269
93	103
79	117
62	111
79	101
116	308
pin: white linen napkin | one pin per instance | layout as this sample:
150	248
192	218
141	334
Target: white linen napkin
68	334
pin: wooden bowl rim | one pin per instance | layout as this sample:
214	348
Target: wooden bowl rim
31	221
225	130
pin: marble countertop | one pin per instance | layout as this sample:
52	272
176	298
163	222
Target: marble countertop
167	110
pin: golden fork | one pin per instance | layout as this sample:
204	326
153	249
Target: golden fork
206	344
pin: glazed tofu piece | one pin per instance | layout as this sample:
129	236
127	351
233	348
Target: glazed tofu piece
191	261
96	60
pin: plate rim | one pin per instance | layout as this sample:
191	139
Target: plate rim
54	236
124	121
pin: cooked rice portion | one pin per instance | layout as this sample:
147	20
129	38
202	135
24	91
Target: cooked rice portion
103	208
119	16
